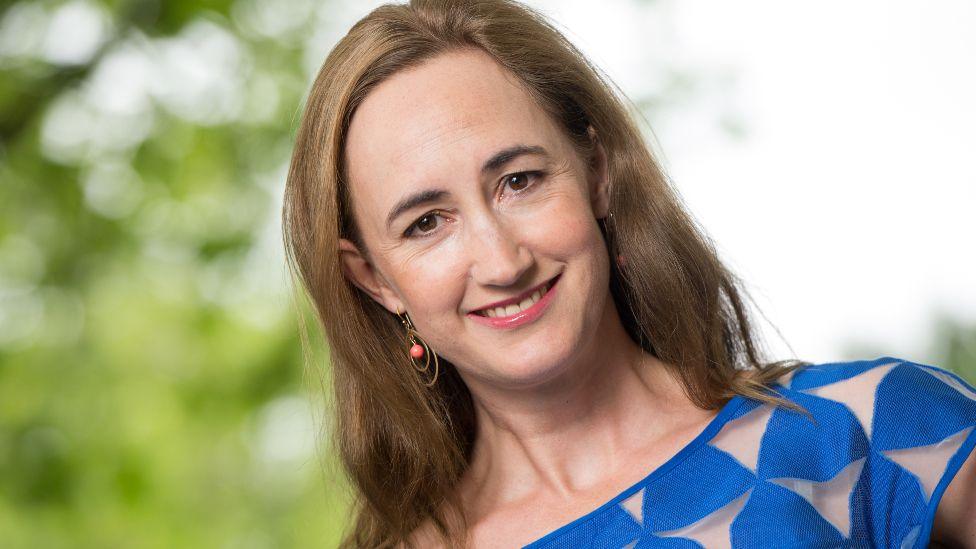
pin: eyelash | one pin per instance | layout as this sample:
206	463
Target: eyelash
534	176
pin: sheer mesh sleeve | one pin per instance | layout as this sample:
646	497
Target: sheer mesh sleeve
925	428
866	468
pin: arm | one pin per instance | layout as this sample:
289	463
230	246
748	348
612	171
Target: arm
955	518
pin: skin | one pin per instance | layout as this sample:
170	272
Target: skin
955	518
556	400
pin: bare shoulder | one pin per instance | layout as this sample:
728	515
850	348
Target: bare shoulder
515	526
497	530
496	522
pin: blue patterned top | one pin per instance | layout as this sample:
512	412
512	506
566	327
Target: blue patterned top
868	470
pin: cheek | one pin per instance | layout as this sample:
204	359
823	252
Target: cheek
566	231
432	285
572	237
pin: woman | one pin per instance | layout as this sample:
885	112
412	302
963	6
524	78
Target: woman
532	342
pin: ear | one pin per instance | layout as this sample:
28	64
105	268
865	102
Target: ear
598	177
360	271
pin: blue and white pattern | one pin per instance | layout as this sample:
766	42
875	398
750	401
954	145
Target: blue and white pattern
867	470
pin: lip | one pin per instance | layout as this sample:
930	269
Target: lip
521	317
517	299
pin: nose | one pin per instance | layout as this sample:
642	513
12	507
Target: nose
497	256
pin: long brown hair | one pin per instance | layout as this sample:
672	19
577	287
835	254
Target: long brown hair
403	445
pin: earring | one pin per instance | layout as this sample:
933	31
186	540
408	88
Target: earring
419	349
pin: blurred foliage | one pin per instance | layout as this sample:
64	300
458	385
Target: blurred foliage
952	346
955	347
151	390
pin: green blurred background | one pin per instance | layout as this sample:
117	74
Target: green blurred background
152	385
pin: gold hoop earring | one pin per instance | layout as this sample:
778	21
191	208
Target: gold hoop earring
419	349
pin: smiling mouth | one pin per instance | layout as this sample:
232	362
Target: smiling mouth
515	308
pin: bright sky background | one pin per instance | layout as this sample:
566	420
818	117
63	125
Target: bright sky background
848	201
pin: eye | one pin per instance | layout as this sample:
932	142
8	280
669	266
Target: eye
519	181
425	225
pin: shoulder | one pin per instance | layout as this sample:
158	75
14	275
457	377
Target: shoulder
911	428
896	402
892	404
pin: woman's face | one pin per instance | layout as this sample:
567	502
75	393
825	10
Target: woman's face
466	194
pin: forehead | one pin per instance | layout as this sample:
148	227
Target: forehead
438	121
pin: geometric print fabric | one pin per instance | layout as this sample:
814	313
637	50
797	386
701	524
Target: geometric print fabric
866	468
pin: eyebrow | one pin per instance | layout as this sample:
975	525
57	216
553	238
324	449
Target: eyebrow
427	196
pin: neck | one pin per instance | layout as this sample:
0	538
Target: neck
568	434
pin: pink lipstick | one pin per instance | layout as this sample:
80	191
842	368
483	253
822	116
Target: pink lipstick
518	318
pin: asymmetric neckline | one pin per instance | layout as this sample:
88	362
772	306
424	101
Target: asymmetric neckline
711	429
863	462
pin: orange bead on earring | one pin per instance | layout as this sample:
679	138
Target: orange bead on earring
420	352
417	351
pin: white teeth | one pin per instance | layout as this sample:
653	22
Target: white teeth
513	309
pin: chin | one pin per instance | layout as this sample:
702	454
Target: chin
532	363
